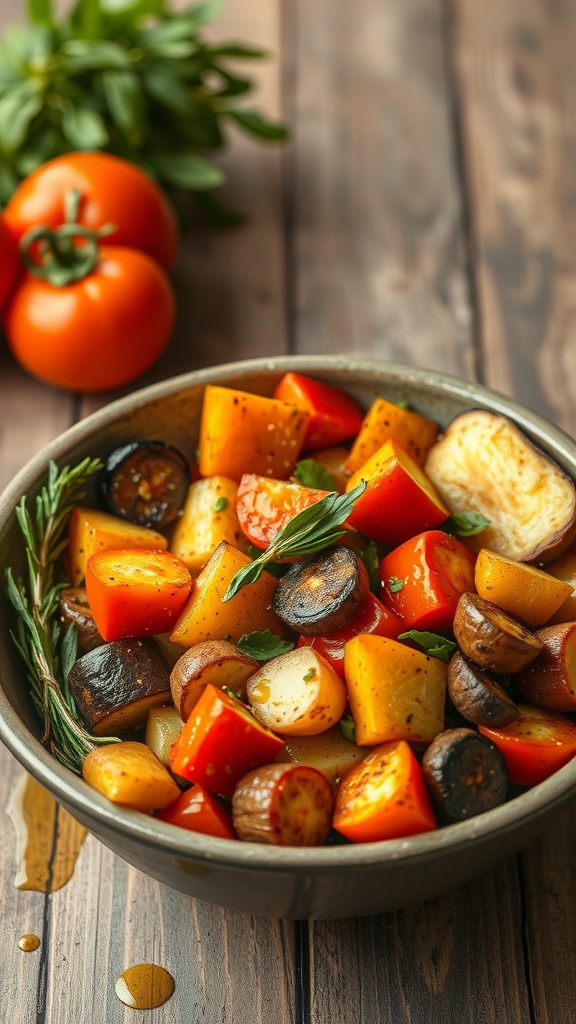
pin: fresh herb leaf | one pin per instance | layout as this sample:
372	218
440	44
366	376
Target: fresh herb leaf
310	473
348	729
220	504
394	584
263	645
311	530
434	645
46	653
465	524
309	675
370	557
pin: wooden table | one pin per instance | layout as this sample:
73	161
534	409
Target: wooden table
425	212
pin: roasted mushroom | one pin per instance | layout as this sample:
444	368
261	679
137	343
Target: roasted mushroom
550	680
465	773
283	805
491	638
145	482
74	610
476	696
323	593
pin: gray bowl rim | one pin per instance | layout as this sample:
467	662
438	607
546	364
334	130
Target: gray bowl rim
174	842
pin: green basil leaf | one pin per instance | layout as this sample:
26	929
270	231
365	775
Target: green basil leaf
86	17
84	128
126	103
18	108
187	170
310	473
434	645
465	524
94	55
168	90
221	504
233	84
258	125
394	584
204	12
263	645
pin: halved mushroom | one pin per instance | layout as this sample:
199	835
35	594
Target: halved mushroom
491	638
465	773
550	681
476	696
323	593
213	661
74	610
115	685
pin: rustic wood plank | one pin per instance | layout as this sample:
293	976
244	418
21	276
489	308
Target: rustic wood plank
375	242
516	83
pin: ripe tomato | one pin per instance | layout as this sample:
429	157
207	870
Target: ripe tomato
265	505
534	745
113	191
96	333
10	266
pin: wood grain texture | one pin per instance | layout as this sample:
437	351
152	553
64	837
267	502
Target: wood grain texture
516	83
375	226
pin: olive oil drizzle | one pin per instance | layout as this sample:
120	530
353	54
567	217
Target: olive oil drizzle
144	986
48	839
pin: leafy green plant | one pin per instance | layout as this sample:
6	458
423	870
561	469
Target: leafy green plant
130	77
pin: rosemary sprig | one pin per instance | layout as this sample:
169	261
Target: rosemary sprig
47	653
311	530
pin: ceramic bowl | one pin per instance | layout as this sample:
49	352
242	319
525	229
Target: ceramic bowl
330	882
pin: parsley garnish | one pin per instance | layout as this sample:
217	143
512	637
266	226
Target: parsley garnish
263	645
434	645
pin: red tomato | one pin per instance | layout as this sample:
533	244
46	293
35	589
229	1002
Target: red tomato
373	617
399	500
199	811
97	333
534	745
113	191
423	579
384	796
221	741
136	592
264	506
10	265
334	415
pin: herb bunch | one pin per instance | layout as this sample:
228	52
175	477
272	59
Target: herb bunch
130	77
47	652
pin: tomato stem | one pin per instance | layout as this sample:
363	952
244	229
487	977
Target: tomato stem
64	254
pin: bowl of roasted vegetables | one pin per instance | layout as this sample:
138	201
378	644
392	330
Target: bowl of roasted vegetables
297	636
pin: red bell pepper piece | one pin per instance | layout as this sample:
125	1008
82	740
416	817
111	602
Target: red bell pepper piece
265	505
136	592
399	500
334	415
221	741
423	579
384	796
373	617
534	745
199	811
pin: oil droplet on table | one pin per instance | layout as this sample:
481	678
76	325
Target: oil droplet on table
28	943
48	838
144	986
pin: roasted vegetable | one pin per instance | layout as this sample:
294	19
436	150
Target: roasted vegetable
130	774
491	638
371	617
209	517
90	531
330	752
385	421
145	482
74	610
395	692
198	810
476	695
323	593
550	680
264	506
384	797
163	727
465	773
213	661
334	415
534	745
564	569
135	592
485	464
283	805
522	590
115	685
297	694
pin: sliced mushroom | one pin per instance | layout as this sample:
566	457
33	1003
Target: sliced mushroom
213	661
323	593
465	773
74	610
550	681
145	482
476	696
115	685
491	638
283	805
